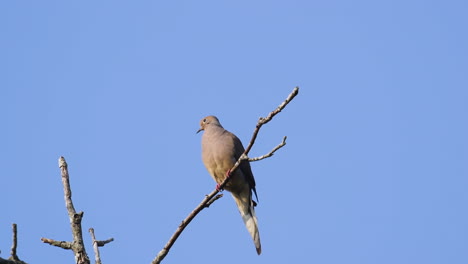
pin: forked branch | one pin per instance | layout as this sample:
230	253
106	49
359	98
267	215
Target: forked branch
269	154
97	244
77	244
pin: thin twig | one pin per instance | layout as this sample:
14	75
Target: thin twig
214	199
270	116
271	152
208	200
102	243
75	221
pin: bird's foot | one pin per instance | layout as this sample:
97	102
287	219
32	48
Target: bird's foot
218	186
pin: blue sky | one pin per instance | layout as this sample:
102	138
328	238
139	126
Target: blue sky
375	169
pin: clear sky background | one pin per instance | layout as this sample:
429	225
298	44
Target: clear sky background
375	169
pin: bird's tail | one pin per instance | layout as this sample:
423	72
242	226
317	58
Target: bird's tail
247	211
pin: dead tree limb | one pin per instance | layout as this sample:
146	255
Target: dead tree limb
213	200
208	200
13	259
97	244
77	244
14	245
269	154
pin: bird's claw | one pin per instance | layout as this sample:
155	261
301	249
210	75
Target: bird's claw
218	186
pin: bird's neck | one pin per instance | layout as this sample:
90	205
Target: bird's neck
214	129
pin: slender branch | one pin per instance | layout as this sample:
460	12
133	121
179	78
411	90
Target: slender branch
96	247
213	200
97	244
102	243
75	221
208	200
270	116
13	259
271	152
15	243
66	187
61	244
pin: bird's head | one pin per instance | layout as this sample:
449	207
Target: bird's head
209	120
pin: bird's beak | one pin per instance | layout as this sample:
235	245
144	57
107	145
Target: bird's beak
198	131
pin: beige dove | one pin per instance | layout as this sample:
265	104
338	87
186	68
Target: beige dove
220	151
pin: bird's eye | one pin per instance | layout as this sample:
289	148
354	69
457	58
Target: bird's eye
204	120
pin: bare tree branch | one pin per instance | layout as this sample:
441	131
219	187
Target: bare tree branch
270	116
214	199
61	244
15	243
102	243
97	257
208	200
271	152
97	244
75	221
13	259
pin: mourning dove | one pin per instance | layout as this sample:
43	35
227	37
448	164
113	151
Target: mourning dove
220	151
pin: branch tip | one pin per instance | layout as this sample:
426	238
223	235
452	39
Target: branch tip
62	162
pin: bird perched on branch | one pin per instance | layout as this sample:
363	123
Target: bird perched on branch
220	151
